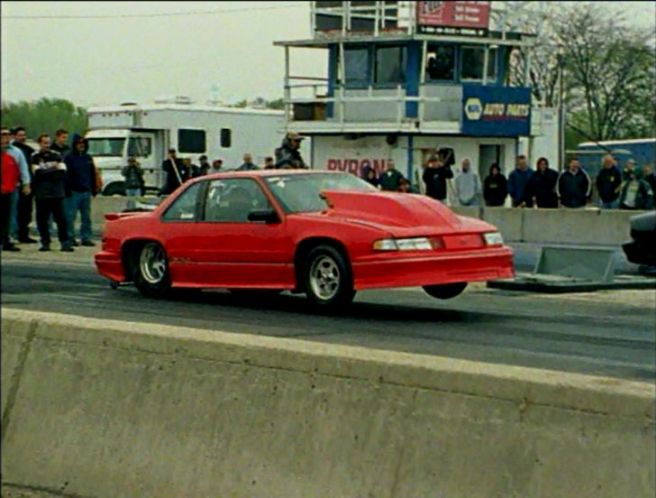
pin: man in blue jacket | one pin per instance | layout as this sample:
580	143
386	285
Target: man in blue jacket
81	178
518	182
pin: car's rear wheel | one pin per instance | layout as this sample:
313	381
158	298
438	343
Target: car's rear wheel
152	276
445	291
327	277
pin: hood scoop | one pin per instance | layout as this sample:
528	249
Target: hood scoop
390	208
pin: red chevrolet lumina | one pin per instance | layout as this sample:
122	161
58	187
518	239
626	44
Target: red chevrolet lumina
321	233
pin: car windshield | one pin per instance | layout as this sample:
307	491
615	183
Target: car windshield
300	193
106	147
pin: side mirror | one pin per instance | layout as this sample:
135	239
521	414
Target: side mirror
266	215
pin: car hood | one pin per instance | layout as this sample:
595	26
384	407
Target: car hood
401	214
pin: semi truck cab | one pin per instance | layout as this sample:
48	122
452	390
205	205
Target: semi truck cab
111	149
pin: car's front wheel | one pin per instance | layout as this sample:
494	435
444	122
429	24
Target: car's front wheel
152	276
327	277
445	291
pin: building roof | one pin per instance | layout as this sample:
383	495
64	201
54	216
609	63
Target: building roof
331	38
184	107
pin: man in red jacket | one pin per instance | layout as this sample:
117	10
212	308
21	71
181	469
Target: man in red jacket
10	177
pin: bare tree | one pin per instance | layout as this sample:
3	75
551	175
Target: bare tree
609	71
609	68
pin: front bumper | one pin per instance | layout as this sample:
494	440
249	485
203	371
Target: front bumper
414	270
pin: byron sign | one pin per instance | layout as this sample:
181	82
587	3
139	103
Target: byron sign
453	17
357	165
496	111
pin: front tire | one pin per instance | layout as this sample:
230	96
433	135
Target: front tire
152	276
445	291
327	278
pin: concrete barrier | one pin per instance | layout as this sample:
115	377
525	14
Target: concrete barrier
585	227
113	409
533	226
510	222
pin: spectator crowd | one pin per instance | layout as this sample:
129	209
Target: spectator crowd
58	181
177	171
542	187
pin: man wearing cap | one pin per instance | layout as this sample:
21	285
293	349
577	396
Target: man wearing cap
435	176
176	173
288	154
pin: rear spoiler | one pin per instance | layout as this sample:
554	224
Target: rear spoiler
118	216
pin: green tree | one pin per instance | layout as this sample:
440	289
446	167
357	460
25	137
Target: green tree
277	104
45	116
260	102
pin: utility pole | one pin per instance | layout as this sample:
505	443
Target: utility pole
561	110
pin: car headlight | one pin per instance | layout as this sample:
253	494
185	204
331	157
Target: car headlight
493	239
414	244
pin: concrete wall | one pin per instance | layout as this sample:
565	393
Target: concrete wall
592	227
108	409
537	226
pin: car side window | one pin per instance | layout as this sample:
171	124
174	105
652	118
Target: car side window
184	207
231	201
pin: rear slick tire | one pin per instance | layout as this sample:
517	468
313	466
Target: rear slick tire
327	278
445	291
152	276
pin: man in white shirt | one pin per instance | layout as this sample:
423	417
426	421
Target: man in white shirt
468	186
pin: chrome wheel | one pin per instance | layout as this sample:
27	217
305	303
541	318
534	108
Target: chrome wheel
152	263
325	277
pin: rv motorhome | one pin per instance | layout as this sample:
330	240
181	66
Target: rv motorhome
148	131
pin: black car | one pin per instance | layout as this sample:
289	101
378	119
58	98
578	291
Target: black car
642	249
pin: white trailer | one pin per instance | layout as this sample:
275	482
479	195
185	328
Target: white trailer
148	131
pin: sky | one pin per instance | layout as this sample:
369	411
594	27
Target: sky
101	60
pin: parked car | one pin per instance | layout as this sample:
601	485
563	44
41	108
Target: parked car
642	248
325	234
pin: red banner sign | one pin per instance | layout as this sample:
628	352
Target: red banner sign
454	14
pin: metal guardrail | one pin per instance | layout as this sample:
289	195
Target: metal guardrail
342	100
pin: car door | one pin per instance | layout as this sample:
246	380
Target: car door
181	233
236	252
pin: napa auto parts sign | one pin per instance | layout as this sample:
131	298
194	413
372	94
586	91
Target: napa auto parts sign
496	111
453	17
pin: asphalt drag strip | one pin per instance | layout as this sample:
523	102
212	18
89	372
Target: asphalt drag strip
608	333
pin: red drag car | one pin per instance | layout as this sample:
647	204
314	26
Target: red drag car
315	232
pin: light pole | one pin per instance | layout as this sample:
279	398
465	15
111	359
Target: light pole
561	109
